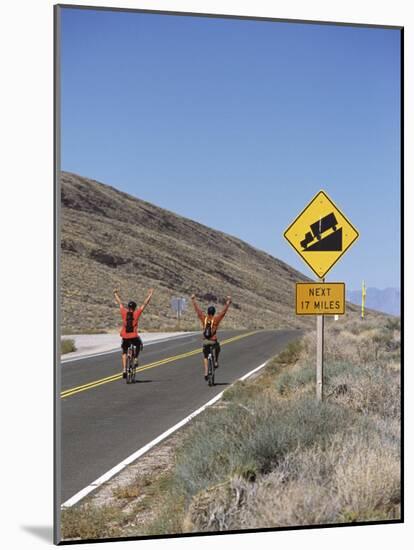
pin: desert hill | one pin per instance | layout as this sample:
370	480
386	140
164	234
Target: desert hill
111	239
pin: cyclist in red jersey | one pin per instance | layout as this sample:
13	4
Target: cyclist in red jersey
210	323
129	330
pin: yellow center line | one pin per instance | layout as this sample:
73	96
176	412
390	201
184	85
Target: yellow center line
94	384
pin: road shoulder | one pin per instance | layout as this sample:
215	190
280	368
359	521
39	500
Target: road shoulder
90	345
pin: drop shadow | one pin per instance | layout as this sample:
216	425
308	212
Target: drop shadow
137	381
43	532
222	383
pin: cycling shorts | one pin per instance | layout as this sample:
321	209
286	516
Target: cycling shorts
213	344
126	342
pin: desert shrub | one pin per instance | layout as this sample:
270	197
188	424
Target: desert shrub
91	522
291	353
347	474
170	516
393	323
354	476
67	345
303	376
226	443
353	346
334	369
308	345
295	379
371	390
129	491
241	391
356	325
214	508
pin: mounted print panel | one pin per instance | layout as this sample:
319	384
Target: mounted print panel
192	397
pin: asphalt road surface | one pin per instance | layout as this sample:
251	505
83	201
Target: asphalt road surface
104	420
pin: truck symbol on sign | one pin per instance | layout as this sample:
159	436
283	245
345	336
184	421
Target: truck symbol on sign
333	241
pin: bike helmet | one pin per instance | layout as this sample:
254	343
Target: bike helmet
132	305
211	310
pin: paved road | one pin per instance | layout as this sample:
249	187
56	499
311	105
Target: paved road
105	420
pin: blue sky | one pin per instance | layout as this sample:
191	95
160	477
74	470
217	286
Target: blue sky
238	124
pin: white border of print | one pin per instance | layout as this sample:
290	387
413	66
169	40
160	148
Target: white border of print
26	41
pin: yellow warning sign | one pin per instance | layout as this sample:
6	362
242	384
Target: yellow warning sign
320	298
321	234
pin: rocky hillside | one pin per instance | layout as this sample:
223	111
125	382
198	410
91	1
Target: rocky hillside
111	239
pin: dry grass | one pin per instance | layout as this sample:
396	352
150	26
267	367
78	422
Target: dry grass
348	479
90	522
129	501
268	455
273	456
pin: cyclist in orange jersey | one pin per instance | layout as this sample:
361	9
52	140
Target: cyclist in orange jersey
129	330
210	323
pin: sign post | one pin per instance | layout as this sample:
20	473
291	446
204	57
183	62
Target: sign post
320	329
178	305
320	299
321	234
319	356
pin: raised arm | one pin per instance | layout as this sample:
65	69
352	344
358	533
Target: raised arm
197	308
117	297
147	299
225	308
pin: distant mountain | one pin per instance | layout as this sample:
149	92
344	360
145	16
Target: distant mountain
385	300
110	239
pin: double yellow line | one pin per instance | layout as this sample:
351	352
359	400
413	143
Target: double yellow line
94	384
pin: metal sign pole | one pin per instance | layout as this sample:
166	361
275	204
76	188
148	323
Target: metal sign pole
319	354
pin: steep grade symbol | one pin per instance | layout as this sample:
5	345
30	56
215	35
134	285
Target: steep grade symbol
328	243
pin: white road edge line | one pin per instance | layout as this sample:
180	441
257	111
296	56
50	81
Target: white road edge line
105	477
115	350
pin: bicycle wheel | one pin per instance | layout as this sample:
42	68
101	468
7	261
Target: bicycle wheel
129	368
210	372
134	363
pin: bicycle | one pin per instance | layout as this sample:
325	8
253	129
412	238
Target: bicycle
131	364
210	365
